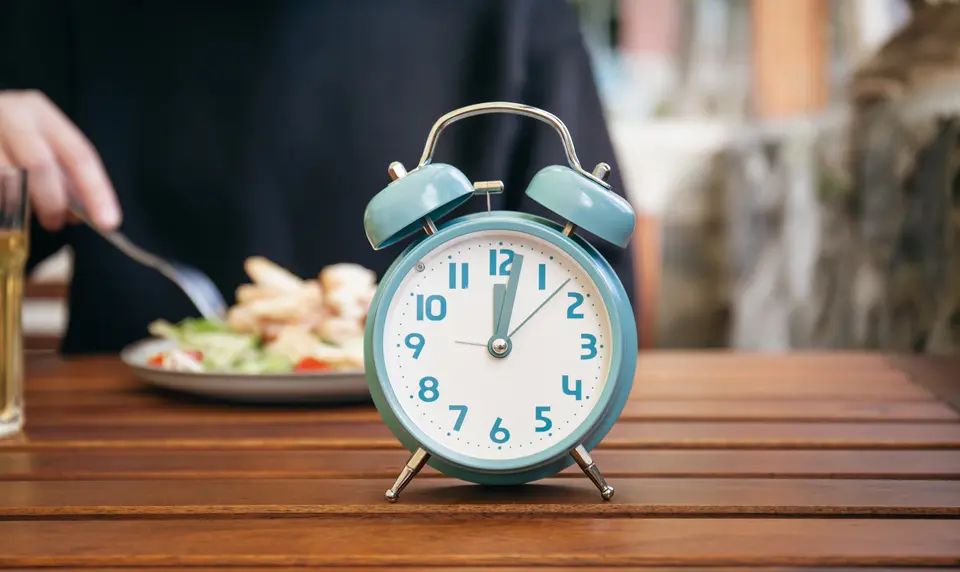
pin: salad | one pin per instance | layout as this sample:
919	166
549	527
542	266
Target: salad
280	324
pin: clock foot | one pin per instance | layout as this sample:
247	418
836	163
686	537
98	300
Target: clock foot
586	463
410	470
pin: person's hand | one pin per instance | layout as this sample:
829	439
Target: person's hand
37	136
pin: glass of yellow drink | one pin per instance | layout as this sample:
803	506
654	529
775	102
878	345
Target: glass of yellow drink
14	233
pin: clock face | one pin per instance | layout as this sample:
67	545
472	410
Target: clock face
497	345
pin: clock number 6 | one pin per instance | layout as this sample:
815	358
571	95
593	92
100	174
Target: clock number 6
429	389
499	434
547	424
415	342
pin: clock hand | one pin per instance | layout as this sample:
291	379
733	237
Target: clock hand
542	304
470	343
506	307
499	291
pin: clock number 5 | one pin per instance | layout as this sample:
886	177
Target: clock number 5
499	434
589	344
547	424
462	410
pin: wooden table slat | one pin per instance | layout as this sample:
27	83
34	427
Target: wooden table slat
485	542
560	498
384	464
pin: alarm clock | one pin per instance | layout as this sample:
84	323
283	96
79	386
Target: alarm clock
500	347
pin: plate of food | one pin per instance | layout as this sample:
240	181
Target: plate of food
286	339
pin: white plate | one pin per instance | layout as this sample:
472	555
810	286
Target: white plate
337	386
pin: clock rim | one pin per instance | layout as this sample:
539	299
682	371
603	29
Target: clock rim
590	431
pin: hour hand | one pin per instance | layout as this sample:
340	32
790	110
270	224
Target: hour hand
499	292
509	297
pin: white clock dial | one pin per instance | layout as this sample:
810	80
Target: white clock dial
436	355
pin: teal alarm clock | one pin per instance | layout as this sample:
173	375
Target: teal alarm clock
500	347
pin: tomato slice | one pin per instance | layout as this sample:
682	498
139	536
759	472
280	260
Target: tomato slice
311	364
157	359
197	355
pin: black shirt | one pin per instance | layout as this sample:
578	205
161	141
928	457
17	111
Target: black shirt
233	129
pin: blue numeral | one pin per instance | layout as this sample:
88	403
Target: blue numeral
462	409
547	424
499	434
542	277
435	307
576	391
504	268
415	342
429	385
577	300
590	345
464	275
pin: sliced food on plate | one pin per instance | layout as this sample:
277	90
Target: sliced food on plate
281	323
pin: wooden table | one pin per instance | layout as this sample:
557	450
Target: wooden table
818	460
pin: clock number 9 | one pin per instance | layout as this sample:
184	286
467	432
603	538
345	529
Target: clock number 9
499	434
415	342
429	389
434	308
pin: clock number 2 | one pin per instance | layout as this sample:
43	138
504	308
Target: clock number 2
433	307
577	301
504	268
499	434
462	410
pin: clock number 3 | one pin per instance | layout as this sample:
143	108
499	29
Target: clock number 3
589	344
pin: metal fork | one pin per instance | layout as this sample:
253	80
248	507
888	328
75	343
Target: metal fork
195	284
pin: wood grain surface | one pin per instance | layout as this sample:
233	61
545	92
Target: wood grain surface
720	460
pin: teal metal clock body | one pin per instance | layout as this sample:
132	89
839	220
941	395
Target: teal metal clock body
500	347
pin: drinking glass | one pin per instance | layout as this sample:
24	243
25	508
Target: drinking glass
14	233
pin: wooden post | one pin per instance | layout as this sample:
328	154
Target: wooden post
790	56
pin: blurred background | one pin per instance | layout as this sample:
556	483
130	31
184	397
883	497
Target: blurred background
793	163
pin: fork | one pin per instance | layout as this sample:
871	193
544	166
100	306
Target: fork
194	283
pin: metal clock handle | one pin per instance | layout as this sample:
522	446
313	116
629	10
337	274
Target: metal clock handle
512	109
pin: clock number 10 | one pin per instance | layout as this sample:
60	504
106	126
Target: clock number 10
434	307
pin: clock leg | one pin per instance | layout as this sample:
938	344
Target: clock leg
410	470
586	463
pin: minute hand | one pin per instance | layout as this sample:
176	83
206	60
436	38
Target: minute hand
537	309
506	307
